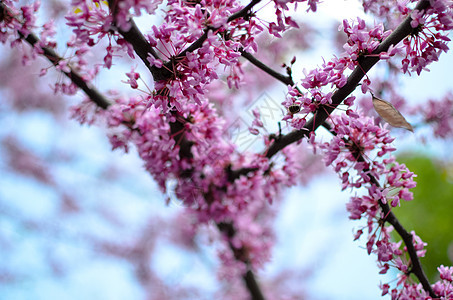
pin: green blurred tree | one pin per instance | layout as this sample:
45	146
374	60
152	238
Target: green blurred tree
431	212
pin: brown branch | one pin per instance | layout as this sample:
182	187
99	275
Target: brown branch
417	268
55	59
390	217
235	174
199	42
319	119
244	11
285	79
321	115
252	285
141	46
239	253
143	49
89	90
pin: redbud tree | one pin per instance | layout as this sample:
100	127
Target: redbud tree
191	67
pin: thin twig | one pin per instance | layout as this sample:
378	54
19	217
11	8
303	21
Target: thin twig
285	79
390	217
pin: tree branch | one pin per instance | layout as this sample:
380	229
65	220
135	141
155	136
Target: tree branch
55	59
199	42
285	79
249	277
252	285
403	30
390	217
143	49
89	90
417	268
141	46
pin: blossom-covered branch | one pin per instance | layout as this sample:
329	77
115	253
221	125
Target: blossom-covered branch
240	14
179	131
389	216
135	38
364	65
405	29
143	49
55	59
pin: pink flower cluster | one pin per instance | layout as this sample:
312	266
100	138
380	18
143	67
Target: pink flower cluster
438	114
185	24
18	20
429	39
443	288
123	10
361	42
202	178
151	123
284	21
21	22
360	145
360	136
91	22
422	48
392	11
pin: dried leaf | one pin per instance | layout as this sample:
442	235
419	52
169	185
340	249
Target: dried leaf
390	114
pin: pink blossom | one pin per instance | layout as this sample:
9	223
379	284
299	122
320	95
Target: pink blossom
446	273
155	62
133	76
